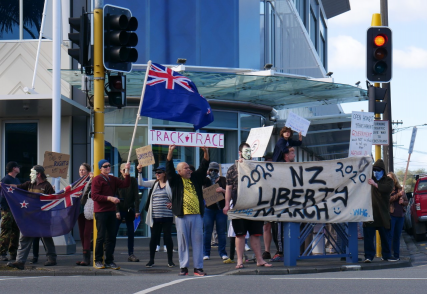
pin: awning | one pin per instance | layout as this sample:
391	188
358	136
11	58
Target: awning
29	105
278	90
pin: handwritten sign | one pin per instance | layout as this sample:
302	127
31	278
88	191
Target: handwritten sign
258	140
362	127
380	134
193	139
332	191
56	164
211	196
297	123
145	156
223	168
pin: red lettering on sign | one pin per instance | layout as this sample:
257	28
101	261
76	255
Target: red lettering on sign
159	133
179	137
172	138
221	138
207	139
213	140
199	138
166	137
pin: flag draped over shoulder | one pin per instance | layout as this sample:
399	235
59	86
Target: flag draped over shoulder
43	215
172	96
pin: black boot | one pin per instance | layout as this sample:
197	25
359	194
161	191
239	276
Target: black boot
51	261
86	258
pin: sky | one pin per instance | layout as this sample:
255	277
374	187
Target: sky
347	60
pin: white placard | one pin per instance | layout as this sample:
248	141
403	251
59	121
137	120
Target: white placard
380	136
332	191
224	168
411	145
192	139
362	127
258	140
297	123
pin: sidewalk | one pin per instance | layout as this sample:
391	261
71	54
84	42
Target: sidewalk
67	267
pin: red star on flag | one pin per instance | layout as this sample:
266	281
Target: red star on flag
9	189
24	204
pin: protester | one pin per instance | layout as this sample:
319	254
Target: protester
128	209
398	203
38	184
105	197
85	225
242	226
9	237
188	207
382	186
284	143
159	214
214	215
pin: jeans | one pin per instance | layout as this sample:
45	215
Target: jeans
210	217
130	228
395	232
106	226
369	244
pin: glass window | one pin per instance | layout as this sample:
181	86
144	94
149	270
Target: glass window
300	6
322	45
226	154
33	11
224	119
162	122
262	31
313	28
249	121
125	115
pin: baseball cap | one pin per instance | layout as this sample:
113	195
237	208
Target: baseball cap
160	168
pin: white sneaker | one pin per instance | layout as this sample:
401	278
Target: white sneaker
247	248
164	249
175	250
157	248
224	257
206	258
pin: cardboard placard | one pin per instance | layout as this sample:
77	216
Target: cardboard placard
211	196
145	155
56	164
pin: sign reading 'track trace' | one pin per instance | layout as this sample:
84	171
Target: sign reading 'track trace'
192	139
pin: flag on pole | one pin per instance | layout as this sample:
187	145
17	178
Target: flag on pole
172	96
43	215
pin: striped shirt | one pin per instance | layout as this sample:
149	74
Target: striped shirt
160	198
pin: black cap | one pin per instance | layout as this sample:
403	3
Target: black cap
38	168
10	165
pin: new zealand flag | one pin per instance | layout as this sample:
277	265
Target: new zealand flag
43	215
174	97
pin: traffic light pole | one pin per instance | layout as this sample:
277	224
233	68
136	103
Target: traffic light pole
98	107
376	22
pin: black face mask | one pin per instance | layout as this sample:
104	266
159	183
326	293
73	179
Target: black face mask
213	174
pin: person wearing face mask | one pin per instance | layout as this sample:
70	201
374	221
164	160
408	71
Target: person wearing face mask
38	184
284	143
213	215
242	226
382	186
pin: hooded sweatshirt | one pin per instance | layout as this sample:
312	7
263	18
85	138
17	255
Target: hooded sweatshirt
381	198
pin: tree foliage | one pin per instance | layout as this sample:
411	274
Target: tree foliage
410	178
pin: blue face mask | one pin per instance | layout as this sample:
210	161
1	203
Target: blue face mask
378	174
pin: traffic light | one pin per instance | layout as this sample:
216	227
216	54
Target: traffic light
82	39
374	94
379	54
117	94
119	39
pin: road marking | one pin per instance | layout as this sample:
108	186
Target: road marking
5	279
349	278
172	283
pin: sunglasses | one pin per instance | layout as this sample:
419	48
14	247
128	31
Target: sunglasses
106	166
215	170
158	172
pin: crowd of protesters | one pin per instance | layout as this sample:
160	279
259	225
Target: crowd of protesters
176	197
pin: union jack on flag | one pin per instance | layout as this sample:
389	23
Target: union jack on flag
172	96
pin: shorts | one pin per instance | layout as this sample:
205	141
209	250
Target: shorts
241	226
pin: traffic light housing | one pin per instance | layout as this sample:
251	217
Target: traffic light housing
120	39
375	94
379	54
81	38
117	93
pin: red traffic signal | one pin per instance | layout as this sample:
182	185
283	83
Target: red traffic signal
379	54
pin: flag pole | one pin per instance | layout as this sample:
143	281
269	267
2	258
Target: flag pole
139	110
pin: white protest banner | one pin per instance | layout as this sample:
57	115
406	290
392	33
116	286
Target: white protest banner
332	191
362	127
192	139
380	134
297	123
258	140
145	155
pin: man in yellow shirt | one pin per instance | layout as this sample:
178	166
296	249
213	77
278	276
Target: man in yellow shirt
188	207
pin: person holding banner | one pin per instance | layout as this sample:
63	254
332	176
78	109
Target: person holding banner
242	226
284	143
105	197
188	207
382	186
128	209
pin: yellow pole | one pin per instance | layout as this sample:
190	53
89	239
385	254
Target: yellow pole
98	82
376	22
